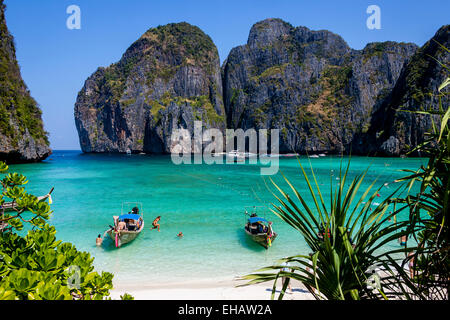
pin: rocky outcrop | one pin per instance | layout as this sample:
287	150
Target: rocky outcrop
320	93
323	95
394	128
166	80
22	135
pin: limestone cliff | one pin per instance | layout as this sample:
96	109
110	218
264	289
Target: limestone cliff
393	130
309	84
22	135
166	80
323	95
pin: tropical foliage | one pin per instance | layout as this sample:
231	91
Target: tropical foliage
430	206
37	266
344	237
340	269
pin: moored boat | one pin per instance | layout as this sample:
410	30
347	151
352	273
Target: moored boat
260	230
127	226
11	206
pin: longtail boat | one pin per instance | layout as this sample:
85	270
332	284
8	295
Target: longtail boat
11	206
260	230
127	226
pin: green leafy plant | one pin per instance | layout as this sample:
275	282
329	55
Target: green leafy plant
37	266
430	206
126	296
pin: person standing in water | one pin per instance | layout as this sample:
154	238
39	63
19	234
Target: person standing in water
155	223
180	235
99	240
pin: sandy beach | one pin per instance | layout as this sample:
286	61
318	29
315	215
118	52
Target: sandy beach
208	290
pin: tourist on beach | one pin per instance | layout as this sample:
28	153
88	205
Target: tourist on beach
99	240
308	269
180	235
411	264
284	279
155	223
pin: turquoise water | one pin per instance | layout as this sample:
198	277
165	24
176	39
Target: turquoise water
205	202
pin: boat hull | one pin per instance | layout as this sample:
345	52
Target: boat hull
124	236
261	238
12	206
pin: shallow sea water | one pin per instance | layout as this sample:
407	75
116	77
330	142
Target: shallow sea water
205	202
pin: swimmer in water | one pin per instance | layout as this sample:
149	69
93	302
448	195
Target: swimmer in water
155	223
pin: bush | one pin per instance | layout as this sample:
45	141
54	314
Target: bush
37	266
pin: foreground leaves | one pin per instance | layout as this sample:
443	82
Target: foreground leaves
345	238
37	266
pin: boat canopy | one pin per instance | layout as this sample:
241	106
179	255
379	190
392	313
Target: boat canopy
256	219
129	216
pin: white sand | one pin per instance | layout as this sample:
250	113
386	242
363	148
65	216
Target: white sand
208	290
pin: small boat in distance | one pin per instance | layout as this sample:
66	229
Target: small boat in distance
236	155
128	152
260	230
127	226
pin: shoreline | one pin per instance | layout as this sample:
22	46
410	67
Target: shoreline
208	289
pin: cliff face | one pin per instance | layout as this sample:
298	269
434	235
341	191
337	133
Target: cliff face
394	131
22	135
321	94
309	84
166	80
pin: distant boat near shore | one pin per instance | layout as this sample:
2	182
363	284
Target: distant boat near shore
239	156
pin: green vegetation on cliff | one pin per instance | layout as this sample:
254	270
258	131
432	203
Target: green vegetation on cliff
18	110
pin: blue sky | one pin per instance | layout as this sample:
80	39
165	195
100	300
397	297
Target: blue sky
55	61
